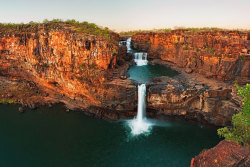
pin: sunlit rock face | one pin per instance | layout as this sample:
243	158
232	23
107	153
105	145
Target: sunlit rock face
73	64
192	100
226	153
222	55
210	57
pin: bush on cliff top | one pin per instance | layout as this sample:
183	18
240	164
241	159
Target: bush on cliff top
240	131
83	27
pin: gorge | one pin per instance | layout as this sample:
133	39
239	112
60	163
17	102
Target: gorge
173	76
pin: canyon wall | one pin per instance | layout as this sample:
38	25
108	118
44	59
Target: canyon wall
209	62
88	72
75	65
222	55
183	97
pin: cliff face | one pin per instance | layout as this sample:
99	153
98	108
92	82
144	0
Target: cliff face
191	99
222	55
71	63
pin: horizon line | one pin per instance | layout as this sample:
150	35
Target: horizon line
135	29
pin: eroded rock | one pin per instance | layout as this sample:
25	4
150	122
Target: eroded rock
225	154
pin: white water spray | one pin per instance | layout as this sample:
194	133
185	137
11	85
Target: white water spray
140	124
141	59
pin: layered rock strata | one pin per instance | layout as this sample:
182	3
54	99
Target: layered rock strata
79	69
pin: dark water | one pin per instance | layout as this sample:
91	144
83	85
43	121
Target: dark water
143	74
51	137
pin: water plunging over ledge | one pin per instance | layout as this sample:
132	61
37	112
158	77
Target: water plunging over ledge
128	44
140	124
141	59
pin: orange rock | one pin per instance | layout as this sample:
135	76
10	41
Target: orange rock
226	154
214	54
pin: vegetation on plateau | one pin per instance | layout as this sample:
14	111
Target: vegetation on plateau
145	31
166	30
83	27
240	130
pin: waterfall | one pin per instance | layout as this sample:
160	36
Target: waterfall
141	58
122	43
141	102
140	125
128	44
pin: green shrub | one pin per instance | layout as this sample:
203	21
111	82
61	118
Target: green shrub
6	101
185	47
240	130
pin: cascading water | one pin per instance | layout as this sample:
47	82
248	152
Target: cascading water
129	45
140	125
141	59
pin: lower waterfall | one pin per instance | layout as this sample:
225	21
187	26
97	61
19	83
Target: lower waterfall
140	125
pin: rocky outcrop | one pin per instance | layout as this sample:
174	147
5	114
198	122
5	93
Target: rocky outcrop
226	154
222	55
76	68
192	97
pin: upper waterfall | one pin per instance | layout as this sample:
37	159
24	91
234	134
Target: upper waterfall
128	44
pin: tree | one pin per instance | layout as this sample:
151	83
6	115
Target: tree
240	130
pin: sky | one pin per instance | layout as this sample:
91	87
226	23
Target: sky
124	15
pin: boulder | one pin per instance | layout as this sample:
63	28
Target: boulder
21	109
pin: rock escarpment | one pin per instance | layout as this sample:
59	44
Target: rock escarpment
208	61
192	99
78	69
222	55
226	154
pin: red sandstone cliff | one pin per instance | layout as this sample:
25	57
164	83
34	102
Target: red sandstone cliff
73	64
223	55
83	71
